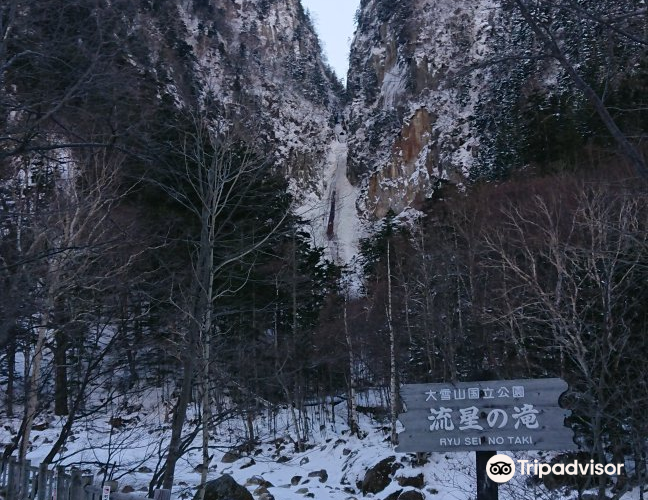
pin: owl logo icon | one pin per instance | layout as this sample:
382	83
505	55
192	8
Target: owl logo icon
500	468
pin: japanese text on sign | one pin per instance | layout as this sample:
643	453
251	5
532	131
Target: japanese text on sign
474	393
520	414
525	416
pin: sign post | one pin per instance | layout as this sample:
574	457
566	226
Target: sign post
483	417
486	489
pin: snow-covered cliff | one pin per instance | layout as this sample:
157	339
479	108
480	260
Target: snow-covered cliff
413	101
439	91
259	59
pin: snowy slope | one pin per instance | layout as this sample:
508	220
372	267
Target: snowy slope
130	455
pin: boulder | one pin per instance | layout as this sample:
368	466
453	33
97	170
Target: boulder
394	495
295	480
321	474
258	481
378	477
230	457
411	495
225	488
261	491
415	482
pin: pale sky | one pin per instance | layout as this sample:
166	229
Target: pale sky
334	22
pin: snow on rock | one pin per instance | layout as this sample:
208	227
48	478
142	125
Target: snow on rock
331	212
417	84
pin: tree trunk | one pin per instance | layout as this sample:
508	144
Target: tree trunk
206	418
60	376
179	415
249	420
393	392
11	374
31	406
352	408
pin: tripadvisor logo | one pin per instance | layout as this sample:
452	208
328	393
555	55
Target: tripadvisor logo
501	468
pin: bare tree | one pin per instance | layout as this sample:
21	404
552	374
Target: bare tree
69	240
393	377
352	369
571	292
219	174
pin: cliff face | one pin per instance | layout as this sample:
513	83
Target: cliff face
254	62
412	109
425	105
456	90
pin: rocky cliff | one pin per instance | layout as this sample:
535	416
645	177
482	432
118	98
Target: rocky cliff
456	90
263	56
254	62
439	91
413	103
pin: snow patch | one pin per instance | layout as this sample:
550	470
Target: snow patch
393	85
331	212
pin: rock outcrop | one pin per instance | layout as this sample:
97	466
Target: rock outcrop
225	488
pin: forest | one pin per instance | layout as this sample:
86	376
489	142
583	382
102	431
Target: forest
147	245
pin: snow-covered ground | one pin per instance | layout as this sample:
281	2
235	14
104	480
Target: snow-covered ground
131	454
